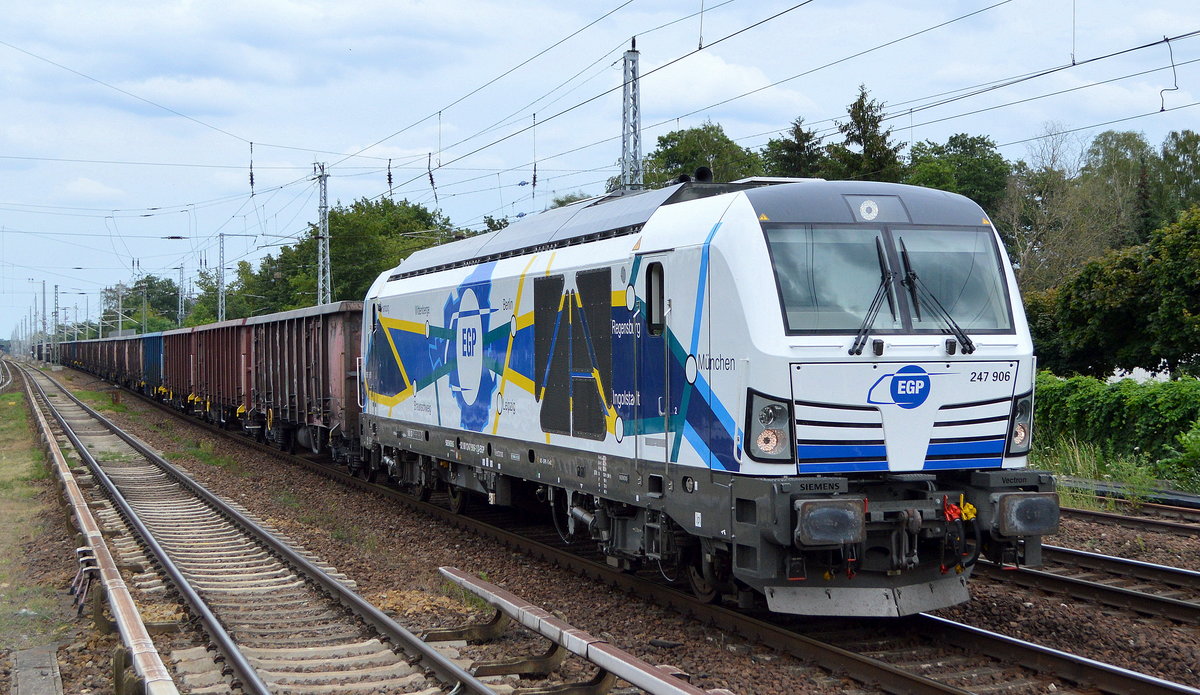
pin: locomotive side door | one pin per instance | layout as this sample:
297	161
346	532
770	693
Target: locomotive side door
653	377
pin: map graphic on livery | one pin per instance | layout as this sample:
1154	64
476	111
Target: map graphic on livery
583	354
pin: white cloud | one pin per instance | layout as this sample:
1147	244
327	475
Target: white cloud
705	79
90	190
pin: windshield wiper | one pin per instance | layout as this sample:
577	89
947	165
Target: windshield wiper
916	289
886	279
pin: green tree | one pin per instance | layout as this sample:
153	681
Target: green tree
147	305
1179	173
1115	178
967	164
867	152
366	238
1040	311
493	224
206	304
797	154
567	198
1100	313
1045	220
1137	306
684	151
162	294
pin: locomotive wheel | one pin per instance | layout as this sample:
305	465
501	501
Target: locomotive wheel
701	582
371	470
422	493
458	499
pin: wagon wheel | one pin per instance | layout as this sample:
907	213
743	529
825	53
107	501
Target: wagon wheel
458	499
422	492
314	440
286	439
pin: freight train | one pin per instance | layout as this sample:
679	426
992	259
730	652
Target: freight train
816	392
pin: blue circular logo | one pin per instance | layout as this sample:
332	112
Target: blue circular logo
910	386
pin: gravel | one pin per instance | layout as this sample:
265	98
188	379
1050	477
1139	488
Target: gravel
1160	548
393	552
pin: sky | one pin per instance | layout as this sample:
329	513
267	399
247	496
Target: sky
129	130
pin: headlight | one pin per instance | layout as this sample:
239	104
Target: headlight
829	522
1020	425
1027	513
770	429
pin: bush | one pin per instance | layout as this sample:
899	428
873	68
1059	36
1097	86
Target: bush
1124	418
1182	466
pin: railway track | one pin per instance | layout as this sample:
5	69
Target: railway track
936	656
1157	518
280	622
1148	589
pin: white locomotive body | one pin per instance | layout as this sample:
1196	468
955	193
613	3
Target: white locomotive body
817	391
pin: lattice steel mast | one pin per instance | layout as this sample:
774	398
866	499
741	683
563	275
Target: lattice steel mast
324	279
631	123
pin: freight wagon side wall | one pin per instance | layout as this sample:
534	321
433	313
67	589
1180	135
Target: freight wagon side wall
178	359
134	362
300	362
343	330
220	359
152	354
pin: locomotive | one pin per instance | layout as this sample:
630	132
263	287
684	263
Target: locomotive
817	392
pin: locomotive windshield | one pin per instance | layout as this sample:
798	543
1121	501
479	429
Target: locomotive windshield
828	277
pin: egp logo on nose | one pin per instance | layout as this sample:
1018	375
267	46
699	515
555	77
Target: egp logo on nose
907	387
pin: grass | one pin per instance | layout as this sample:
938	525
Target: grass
1070	457
469	598
204	452
101	401
366	539
287	498
30	612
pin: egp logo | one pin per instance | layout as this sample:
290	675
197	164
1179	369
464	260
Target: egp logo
907	387
469	337
470	357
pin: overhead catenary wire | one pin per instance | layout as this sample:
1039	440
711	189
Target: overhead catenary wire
739	96
962	93
489	83
123	91
609	91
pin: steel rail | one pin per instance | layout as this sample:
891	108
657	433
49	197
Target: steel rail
1106	677
245	674
146	661
1119	597
1175	498
1079	669
1164	574
1157	523
446	670
618	662
890	678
